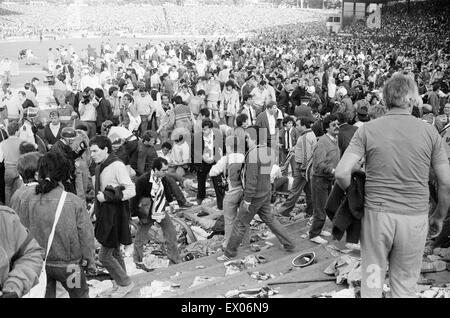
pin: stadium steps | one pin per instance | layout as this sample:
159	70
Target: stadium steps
279	261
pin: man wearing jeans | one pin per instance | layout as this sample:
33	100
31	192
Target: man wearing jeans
303	157
113	189
144	103
325	159
398	150
154	186
256	200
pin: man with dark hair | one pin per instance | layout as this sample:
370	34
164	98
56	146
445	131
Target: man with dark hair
288	138
257	194
303	154
113	189
325	159
207	149
267	120
52	131
64	147
104	111
197	102
114	100
362	116
34	83
146	152
346	132
153	193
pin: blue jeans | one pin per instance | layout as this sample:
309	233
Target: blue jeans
242	224
112	260
231	204
143	237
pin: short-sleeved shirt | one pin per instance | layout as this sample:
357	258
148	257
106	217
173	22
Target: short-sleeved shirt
399	150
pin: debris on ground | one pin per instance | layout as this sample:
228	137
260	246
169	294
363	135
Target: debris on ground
347	269
433	267
238	265
261	276
435	292
262	292
153	262
203	248
198	280
157	288
96	287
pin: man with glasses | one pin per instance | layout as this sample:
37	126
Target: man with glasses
325	159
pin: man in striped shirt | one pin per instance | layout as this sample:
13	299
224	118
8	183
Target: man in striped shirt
153	193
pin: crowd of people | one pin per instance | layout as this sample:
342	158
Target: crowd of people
132	123
111	19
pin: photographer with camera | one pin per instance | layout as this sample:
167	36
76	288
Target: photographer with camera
64	147
88	112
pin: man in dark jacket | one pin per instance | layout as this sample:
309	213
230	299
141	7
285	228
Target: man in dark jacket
146	152
104	111
64	146
257	194
346	132
153	193
52	131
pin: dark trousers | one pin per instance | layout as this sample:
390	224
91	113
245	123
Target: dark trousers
297	188
143	236
321	188
172	190
2	182
260	206
283	156
71	277
202	175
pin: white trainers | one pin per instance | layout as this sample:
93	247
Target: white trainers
107	293
318	240
121	291
352	246
325	233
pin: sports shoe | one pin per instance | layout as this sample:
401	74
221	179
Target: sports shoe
223	258
325	233
143	267
107	293
318	240
121	291
352	246
186	205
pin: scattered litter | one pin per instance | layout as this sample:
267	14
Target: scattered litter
236	266
198	280
176	275
442	252
346	269
432	267
261	276
152	262
157	288
262	292
435	292
304	259
200	267
203	248
433	258
96	287
304	236
200	233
